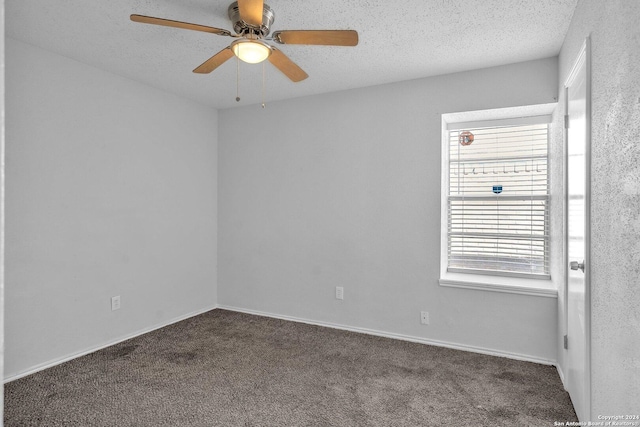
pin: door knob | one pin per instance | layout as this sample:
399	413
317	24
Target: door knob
577	265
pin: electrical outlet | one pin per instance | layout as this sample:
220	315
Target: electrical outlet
339	292
424	317
115	303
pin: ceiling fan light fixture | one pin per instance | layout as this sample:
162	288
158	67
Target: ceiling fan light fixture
251	51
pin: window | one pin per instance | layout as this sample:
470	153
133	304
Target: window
498	197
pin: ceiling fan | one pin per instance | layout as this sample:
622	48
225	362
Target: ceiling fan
252	20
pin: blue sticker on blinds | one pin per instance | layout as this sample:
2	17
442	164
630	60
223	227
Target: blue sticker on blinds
497	189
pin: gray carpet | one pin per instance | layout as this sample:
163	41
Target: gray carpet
230	369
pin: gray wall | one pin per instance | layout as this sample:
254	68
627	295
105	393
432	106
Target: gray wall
110	190
2	211
343	189
615	189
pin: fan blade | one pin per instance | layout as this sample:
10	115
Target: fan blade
320	37
179	24
287	66
251	11
215	61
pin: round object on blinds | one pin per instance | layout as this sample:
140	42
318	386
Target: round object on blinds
465	138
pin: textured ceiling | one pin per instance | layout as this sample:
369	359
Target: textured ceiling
399	40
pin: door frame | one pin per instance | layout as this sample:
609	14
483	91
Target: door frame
583	57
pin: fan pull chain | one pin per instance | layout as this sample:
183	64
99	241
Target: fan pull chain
237	79
263	84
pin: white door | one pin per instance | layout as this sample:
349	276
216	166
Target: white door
577	91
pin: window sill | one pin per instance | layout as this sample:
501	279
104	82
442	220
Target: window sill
511	285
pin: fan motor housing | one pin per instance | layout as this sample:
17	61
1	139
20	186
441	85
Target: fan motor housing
242	28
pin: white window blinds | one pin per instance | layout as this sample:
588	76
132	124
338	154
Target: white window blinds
498	203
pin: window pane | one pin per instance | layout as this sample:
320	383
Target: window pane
498	200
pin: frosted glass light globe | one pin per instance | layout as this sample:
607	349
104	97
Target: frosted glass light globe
251	51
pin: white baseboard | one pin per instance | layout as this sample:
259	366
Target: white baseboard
72	356
420	340
561	375
391	335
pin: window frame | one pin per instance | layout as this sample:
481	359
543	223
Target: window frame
491	281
